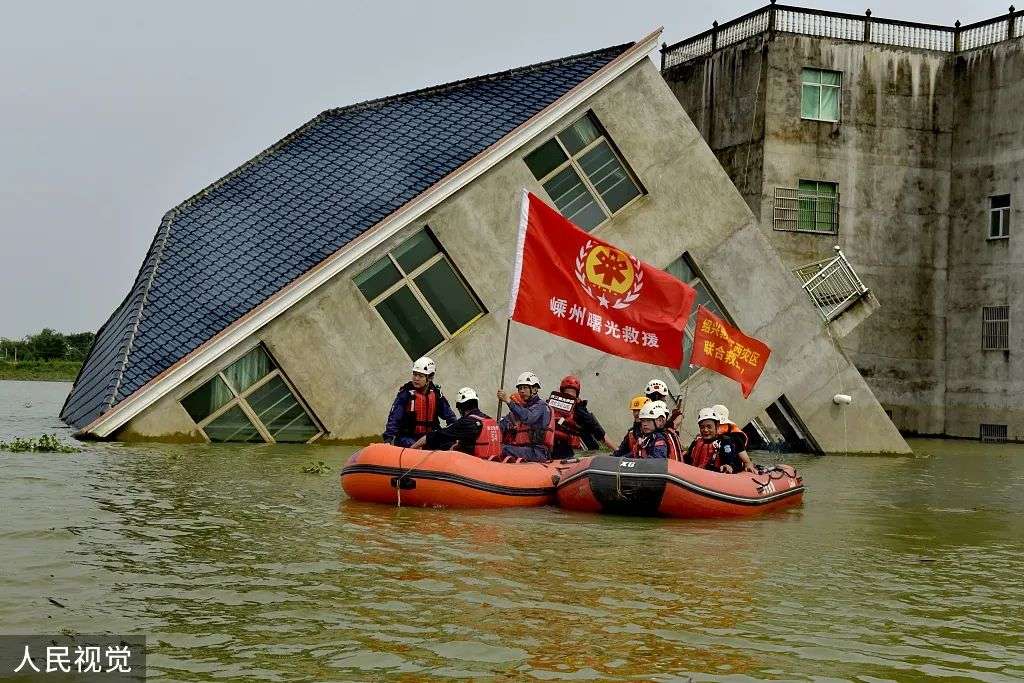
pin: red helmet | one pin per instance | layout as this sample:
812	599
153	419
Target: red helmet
570	382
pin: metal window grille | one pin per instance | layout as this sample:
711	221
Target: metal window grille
995	333
832	284
993	433
815	211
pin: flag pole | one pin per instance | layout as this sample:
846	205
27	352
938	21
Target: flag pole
504	357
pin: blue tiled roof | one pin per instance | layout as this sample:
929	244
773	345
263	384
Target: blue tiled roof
227	249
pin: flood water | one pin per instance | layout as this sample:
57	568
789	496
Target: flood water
236	564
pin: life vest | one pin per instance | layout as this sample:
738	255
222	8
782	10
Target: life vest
703	454
563	409
675	451
655	438
523	434
421	411
488	442
730	428
633	439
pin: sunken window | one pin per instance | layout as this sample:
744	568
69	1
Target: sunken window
251	400
993	433
999	217
819	94
995	328
583	174
420	295
684	269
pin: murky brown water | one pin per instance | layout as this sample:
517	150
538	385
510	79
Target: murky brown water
236	564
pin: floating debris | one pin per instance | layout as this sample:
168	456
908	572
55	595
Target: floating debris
47	443
319	467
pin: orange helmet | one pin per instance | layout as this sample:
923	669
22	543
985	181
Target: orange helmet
570	382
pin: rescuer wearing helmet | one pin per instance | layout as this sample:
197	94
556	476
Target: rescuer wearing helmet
474	432
631	440
417	407
575	426
653	443
662	423
714	451
656	390
727	426
528	431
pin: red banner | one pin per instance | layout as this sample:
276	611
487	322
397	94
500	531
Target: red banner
572	284
721	347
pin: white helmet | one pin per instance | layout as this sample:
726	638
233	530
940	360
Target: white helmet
649	412
466	394
529	379
656	386
707	414
722	412
661	407
424	366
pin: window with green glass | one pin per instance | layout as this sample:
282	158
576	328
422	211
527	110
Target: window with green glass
684	269
250	400
818	206
820	91
582	173
419	294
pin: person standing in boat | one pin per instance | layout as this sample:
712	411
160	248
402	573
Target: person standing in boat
628	447
576	427
475	432
727	426
418	407
656	390
712	450
528	431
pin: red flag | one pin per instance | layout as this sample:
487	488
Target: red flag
721	347
572	284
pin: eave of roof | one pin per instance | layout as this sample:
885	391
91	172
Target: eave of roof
241	329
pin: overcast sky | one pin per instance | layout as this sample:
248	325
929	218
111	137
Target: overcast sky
111	113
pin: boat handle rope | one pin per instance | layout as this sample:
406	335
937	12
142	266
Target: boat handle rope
403	475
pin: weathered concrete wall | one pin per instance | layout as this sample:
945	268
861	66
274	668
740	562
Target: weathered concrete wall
889	155
724	97
347	364
988	158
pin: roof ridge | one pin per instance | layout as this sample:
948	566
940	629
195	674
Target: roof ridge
472	80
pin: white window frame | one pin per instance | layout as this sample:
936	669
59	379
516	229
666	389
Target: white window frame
698	277
1004	217
241	399
571	160
986	311
839	97
408	280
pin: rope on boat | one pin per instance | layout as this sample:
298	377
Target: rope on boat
403	475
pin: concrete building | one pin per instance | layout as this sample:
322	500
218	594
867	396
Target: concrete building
903	144
286	301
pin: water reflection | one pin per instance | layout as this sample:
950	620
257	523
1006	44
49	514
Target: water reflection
238	565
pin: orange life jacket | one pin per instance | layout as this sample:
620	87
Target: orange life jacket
488	443
563	409
423	409
634	442
522	434
730	428
703	454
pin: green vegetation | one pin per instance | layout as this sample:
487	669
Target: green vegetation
42	370
47	443
319	467
48	355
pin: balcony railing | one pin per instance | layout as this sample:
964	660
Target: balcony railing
832	284
862	28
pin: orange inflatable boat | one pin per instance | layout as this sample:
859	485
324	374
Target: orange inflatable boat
381	473
668	488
